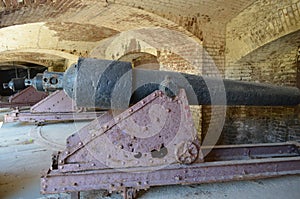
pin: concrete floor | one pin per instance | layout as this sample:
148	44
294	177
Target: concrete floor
25	153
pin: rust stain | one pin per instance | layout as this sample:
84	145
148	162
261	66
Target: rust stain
139	17
80	32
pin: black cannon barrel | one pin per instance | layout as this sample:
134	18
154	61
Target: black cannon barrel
15	84
114	84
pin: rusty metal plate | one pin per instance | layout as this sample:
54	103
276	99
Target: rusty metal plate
57	102
224	167
150	133
26	97
154	143
16	116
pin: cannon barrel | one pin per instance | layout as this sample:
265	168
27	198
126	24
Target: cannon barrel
115	84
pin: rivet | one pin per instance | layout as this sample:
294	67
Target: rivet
168	110
130	110
138	183
108	156
64	188
121	146
154	94
177	178
78	165
93	135
45	186
54	189
61	167
67	152
61	161
93	164
143	102
80	143
123	163
133	137
146	182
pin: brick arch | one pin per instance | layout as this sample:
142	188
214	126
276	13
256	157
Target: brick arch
261	23
64	37
53	59
274	62
63	31
175	50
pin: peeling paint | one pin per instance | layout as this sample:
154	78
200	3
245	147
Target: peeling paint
80	32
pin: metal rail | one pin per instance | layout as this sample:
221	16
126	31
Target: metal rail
224	163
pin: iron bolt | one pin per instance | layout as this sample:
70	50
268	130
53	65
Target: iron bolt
177	178
133	137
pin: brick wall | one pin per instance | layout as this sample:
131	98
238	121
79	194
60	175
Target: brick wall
260	125
262	47
262	22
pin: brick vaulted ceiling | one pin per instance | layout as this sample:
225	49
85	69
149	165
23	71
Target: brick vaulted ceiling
22	11
75	27
76	24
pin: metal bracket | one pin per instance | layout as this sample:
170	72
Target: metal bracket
154	143
56	107
26	97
